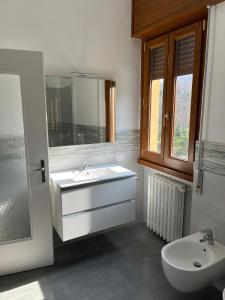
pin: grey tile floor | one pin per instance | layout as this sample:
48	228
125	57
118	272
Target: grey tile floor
123	264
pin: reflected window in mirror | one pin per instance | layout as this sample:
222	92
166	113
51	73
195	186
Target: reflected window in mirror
80	110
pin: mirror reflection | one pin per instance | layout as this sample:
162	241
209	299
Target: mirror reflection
80	110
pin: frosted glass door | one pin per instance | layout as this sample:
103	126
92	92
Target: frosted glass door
25	208
14	186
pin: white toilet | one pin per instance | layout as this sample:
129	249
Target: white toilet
224	294
191	265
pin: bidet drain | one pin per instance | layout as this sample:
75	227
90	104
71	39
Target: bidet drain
197	264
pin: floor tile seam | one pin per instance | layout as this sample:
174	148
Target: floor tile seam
112	265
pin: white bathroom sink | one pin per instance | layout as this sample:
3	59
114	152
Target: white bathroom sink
97	173
191	265
100	173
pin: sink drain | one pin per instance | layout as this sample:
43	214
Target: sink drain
197	264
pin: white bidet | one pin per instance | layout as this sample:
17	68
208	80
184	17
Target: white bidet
191	265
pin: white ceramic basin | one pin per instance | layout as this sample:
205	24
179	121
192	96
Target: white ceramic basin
190	265
99	173
76	177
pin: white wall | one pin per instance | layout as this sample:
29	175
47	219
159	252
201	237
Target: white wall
214	113
90	36
101	103
89	102
85	100
208	209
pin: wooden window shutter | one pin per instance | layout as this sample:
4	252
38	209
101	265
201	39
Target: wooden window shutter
185	52
157	62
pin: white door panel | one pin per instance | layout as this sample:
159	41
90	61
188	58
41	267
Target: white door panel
31	246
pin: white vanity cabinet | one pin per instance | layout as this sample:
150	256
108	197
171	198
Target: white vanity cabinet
89	206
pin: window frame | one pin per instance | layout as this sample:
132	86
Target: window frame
164	161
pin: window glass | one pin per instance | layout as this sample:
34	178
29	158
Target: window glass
157	62
183	95
182	116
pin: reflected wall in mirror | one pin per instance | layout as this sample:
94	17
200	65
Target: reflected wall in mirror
80	110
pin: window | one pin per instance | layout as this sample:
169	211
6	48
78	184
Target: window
171	92
157	57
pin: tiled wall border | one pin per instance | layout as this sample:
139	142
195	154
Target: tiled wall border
126	141
213	157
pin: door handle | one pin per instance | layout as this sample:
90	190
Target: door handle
42	169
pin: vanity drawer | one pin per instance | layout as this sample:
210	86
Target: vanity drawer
98	195
80	224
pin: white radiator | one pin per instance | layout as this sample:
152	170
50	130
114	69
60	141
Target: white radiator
165	206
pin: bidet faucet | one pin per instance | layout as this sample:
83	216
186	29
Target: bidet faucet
84	167
208	236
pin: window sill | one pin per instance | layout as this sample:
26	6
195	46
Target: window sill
175	173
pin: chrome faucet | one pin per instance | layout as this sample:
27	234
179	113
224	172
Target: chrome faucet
208	236
84	167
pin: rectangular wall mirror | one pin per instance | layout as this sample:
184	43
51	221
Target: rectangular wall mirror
80	110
